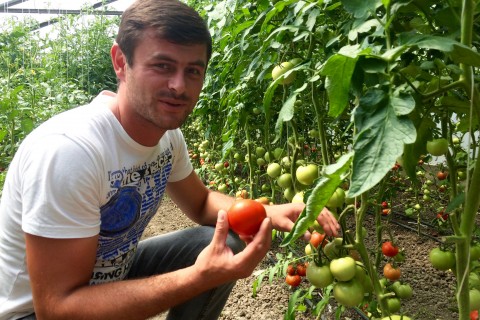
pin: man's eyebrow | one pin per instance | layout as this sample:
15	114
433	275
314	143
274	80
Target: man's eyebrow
165	57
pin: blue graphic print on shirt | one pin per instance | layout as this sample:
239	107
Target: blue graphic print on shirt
135	197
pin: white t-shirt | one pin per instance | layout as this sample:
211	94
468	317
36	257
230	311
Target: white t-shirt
78	175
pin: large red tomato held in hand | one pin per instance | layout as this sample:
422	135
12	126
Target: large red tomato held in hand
245	216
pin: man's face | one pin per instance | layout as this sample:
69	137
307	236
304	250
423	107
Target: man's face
165	81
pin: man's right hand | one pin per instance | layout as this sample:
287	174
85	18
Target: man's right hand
217	260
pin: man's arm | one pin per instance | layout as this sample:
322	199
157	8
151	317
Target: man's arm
201	205
60	270
197	201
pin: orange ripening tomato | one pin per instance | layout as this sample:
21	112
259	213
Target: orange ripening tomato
316	238
391	273
245	216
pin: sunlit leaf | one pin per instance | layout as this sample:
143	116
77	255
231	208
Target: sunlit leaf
380	139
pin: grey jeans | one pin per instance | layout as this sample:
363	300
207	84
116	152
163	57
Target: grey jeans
177	250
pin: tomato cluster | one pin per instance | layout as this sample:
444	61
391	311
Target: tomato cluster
295	273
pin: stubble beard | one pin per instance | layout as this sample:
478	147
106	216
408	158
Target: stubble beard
148	110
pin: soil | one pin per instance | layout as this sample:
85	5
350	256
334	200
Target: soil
433	297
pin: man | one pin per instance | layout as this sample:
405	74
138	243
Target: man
83	186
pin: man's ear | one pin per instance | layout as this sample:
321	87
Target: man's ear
119	61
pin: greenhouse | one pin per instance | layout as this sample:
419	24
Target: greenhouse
352	125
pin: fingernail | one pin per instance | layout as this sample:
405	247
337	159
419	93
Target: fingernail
221	216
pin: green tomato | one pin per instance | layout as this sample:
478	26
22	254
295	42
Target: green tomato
281	69
266	187
307	174
260	151
308	249
348	293
437	147
343	269
274	170
298	198
474	252
219	166
441	260
261	162
402	291
223	188
337	199
319	276
278	153
313	133
360	274
393	304
474	280
474	297
285	181
289	193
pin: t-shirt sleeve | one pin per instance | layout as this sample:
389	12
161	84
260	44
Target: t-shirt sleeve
60	191
182	166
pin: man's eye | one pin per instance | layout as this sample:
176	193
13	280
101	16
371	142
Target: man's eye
163	66
195	71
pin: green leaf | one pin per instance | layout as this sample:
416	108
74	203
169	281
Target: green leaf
287	111
338	71
459	52
380	139
323	189
456	202
361	8
411	152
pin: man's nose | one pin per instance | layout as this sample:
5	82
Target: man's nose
177	83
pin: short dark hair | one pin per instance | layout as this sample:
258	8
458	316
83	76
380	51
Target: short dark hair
171	20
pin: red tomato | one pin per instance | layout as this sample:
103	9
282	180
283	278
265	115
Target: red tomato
442	175
388	249
245	216
293	280
302	269
291	270
385	205
474	315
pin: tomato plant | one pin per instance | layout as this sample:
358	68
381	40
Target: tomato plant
245	216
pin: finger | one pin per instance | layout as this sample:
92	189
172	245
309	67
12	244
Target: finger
221	229
260	244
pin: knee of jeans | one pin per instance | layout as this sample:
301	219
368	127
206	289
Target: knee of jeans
235	243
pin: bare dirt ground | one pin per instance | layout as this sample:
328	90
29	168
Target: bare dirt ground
433	290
